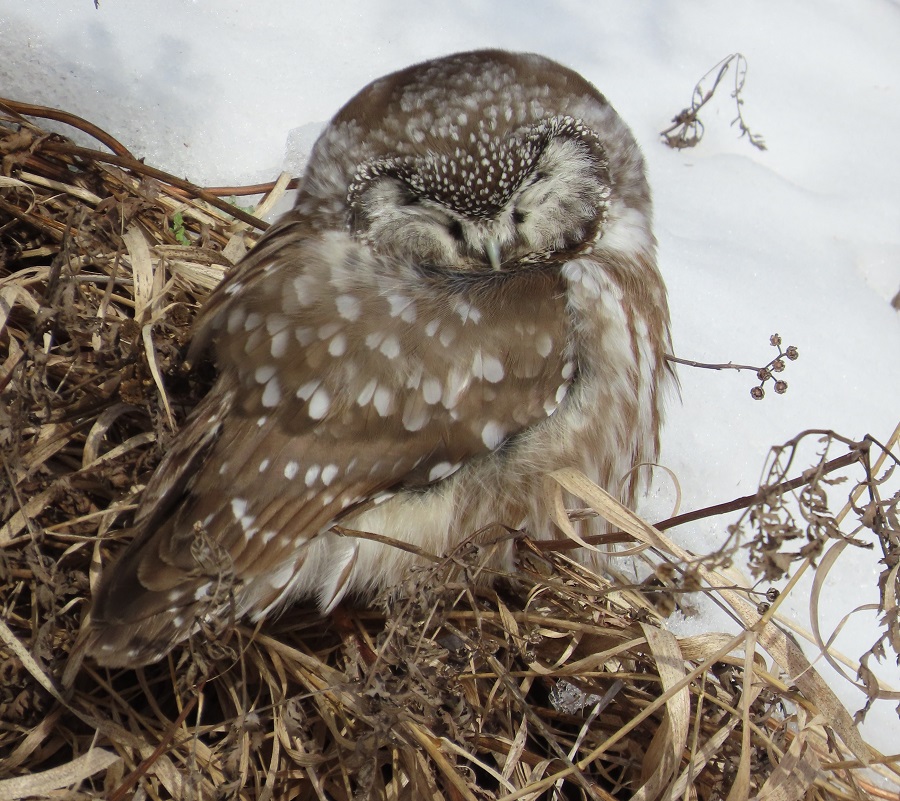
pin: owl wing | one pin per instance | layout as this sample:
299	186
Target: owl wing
345	378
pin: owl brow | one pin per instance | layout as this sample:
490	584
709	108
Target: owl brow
460	183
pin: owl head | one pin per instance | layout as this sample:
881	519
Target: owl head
483	161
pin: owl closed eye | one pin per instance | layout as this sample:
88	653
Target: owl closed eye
464	298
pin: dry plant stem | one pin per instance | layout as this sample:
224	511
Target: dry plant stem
532	716
646	712
132	778
782	649
250	189
688	119
690	115
748	500
717	509
20	109
130	163
707	366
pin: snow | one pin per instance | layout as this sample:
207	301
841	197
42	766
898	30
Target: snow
803	239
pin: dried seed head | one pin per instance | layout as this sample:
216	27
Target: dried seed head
775	340
781	387
778	365
763	374
772	594
792	353
757	393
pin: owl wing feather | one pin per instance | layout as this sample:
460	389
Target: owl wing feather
345	376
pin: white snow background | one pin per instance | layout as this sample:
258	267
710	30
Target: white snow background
803	239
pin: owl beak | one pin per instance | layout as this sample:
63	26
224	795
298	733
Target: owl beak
492	250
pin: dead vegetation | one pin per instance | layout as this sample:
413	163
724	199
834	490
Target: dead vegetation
549	683
687	129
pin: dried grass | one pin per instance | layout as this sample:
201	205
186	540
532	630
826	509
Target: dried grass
552	682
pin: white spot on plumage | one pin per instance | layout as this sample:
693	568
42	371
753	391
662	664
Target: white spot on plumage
543	344
319	403
390	347
238	507
272	393
239	510
457	383
264	373
492	369
235	320
431	390
441	470
348	306
329	473
278	346
581	275
367	392
312	475
253	321
415	417
383	400
492	434
338	345
403	307
264	465
467	312
291	469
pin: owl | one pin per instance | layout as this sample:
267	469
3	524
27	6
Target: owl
464	298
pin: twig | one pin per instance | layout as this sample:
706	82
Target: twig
131	779
20	109
855	455
776	364
130	163
708	366
687	130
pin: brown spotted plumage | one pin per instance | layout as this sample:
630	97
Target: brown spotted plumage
464	297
